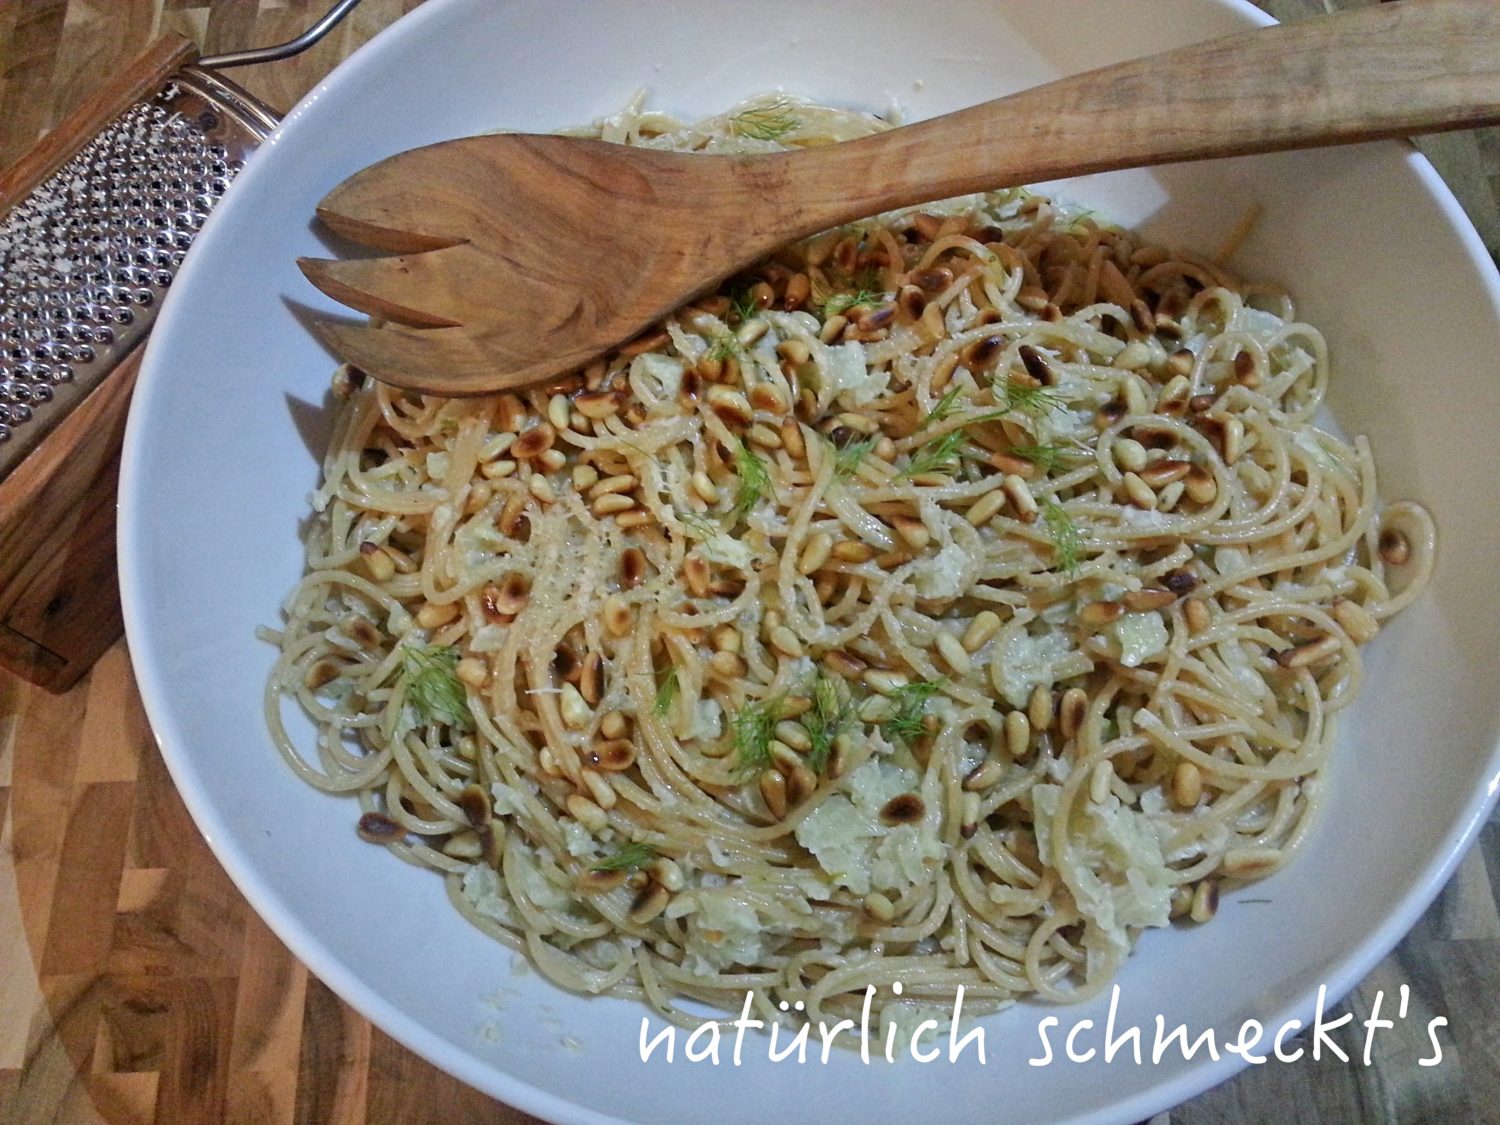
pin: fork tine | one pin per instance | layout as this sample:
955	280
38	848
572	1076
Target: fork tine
379	208
416	290
436	361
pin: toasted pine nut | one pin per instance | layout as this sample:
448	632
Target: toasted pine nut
784	641
495	470
617	616
764	436
1129	454
751	331
575	712
1162	473
886	683
695	571
612	756
1308	654
599	882
1234	439
1187	785
707	491
1071	710
986	508
1205	902
985	625
912	531
943	372
434	614
666	872
794	735
815	553
798	289
1250	863
614	725
586	813
1179	364
632	567
1200	485
1139	493
540	487
1037	366
1019	493
602	793
508	596
832	327
1355	620
1196	611
768	397
727	665
879	907
599	404
773	792
612	503
951	649
841	663
791	438
1039	708
852	551
618	484
472	671
648	907
1096	614
378	561
1144	601
533	442
968	823
729	404
984	775
1017	734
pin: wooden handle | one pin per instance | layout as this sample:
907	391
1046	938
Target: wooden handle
1386	71
140	79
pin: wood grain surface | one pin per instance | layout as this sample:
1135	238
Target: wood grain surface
137	986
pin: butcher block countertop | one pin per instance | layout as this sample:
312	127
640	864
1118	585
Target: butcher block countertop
137	986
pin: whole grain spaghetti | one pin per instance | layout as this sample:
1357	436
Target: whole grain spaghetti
946	600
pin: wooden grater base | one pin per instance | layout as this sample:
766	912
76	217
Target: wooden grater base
59	596
59	599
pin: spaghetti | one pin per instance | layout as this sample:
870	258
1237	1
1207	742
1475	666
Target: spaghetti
947	600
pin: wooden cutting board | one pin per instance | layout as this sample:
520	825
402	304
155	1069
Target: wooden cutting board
136	985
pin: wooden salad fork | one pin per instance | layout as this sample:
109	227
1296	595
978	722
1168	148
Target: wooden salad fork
515	258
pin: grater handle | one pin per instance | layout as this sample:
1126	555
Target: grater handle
137	82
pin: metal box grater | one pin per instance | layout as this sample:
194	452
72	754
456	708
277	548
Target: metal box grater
94	223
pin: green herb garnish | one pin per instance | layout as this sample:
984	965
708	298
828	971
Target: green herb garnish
1066	539
1049	458
725	345
911	705
830	714
666	690
769	122
940	454
627	858
847	459
946	406
754	727
1024	399
745	307
432	685
842	302
754	480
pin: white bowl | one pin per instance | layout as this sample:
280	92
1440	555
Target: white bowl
229	423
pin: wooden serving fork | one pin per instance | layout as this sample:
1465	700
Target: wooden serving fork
515	258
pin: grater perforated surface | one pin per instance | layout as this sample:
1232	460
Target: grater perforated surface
86	257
